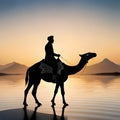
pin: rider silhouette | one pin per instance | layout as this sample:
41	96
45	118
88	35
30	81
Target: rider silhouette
50	55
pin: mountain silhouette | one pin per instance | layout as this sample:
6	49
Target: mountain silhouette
105	66
13	68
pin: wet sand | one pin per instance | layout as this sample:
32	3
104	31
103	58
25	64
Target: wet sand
26	114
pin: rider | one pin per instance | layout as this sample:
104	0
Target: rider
50	55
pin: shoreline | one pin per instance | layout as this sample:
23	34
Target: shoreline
5	74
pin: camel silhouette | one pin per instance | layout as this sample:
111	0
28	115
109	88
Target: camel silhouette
34	76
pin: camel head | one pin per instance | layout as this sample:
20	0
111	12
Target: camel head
88	56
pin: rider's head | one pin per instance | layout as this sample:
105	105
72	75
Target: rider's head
50	39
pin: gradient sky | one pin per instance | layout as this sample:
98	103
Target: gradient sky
79	26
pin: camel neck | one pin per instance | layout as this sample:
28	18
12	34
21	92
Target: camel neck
74	69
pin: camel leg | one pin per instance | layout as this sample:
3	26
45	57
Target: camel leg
63	94
25	94
55	92
34	91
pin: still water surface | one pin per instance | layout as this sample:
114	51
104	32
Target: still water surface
89	97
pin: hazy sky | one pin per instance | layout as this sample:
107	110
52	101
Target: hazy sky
79	26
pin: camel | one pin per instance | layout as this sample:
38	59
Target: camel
34	75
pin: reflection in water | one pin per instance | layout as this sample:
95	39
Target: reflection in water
62	114
103	79
13	77
89	97
34	114
33	117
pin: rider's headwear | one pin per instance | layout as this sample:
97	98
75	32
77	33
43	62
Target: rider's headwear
50	37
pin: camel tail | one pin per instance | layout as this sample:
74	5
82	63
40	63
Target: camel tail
26	78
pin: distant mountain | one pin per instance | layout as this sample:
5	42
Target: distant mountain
13	68
105	66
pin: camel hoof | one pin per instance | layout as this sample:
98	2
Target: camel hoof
65	104
53	103
39	104
25	104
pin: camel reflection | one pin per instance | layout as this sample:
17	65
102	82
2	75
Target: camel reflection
62	115
36	116
33	117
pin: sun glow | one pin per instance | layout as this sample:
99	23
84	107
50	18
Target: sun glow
77	29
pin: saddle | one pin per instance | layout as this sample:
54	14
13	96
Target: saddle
48	69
